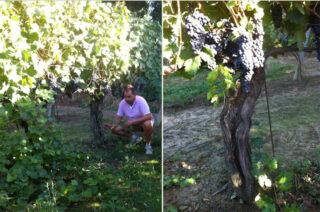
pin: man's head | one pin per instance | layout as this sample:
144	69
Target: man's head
129	94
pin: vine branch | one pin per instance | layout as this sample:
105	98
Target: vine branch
282	50
311	10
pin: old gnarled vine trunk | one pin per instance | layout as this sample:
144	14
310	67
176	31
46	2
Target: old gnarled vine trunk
96	118
236	122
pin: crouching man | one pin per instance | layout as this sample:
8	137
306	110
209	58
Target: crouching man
136	109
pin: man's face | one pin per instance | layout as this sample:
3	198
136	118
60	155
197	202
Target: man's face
129	97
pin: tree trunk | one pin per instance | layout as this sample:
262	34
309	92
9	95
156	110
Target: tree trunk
51	108
235	122
96	118
297	75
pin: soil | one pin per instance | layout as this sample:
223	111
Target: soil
193	140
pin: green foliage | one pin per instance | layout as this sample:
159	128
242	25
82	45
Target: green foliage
266	203
294	21
52	37
221	87
171	208
182	181
282	185
145	61
292	208
284	181
49	173
33	158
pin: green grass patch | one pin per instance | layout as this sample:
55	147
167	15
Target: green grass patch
286	117
277	70
178	91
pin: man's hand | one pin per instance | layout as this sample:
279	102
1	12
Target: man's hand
129	123
108	126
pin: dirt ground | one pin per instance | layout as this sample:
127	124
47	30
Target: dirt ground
193	143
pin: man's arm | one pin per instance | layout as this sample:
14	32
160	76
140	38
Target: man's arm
137	120
141	119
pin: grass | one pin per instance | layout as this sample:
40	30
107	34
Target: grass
285	115
178	91
277	70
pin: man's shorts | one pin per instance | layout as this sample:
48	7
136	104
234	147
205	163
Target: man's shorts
138	127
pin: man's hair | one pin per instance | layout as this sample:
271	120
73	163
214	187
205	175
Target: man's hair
130	88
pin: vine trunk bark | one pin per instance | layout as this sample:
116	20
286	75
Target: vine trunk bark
235	121
96	118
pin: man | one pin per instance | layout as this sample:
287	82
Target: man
136	109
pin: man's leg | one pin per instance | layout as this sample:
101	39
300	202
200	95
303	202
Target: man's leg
147	130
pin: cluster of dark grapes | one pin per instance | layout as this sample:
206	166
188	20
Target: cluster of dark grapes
195	24
72	87
105	89
258	32
55	83
245	52
250	54
244	61
315	24
276	13
99	84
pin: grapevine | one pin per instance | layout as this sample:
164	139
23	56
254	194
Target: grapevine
246	50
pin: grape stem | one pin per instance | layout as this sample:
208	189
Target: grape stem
232	14
242	12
